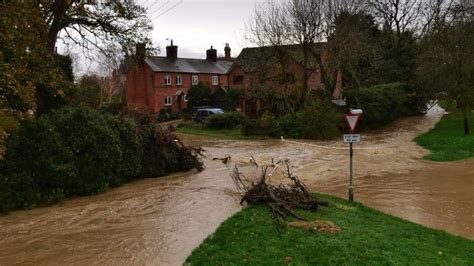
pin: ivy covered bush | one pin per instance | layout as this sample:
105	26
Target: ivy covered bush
382	103
77	151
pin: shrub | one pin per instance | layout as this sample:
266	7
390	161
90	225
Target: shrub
319	120
251	127
166	115
225	121
198	95
80	151
73	149
226	99
381	103
287	126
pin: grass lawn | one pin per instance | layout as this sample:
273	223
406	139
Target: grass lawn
369	237
217	133
447	141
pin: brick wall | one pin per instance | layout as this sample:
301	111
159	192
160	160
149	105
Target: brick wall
146	89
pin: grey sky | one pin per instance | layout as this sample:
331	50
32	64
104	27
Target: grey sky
195	25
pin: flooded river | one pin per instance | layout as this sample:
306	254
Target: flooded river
160	221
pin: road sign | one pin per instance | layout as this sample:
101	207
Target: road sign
351	138
352	121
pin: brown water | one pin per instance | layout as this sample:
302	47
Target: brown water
160	221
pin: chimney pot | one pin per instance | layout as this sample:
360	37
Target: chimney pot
227	52
172	51
211	54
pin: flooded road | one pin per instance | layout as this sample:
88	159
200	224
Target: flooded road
160	221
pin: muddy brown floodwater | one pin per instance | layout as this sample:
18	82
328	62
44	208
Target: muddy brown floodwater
160	221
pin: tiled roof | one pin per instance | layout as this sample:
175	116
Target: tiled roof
253	58
188	65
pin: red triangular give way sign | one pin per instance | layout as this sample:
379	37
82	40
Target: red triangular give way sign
352	121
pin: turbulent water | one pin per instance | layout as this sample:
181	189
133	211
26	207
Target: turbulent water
160	221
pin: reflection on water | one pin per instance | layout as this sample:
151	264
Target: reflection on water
160	221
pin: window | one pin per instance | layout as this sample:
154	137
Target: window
179	80
215	80
238	80
195	80
168	80
168	100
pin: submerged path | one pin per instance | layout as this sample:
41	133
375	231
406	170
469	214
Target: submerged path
160	221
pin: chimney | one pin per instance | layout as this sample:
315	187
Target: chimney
172	51
227	52
211	54
140	51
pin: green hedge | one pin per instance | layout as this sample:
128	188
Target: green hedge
382	103
80	151
225	120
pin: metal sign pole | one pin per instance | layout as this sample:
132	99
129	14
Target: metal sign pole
351	187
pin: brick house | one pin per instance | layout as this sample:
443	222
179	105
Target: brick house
163	82
260	68
159	82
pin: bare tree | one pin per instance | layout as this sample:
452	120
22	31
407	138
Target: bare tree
446	57
93	24
398	15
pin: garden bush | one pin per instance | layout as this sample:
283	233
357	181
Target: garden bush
287	126
319	120
225	121
80	151
382	104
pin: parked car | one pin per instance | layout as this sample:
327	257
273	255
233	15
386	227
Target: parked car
204	113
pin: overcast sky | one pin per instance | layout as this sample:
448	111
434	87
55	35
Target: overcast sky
195	25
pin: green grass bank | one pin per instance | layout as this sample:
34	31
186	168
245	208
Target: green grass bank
234	134
447	141
368	237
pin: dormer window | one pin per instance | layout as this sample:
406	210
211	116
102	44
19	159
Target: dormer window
179	80
168	80
195	80
215	80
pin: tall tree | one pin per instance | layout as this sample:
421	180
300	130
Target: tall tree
32	77
398	15
446	58
93	24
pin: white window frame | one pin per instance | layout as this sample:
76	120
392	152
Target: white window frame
185	97
215	80
194	79
168	79
168	101
179	80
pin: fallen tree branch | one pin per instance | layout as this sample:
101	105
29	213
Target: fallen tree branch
281	199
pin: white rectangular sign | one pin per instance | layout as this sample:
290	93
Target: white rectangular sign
351	138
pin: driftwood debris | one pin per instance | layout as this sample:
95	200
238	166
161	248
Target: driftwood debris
281	198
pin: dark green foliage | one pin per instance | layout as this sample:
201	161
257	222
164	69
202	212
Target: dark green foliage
319	120
252	127
87	92
225	99
79	151
368	237
446	141
286	126
166	115
164	153
199	95
225	121
381	103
